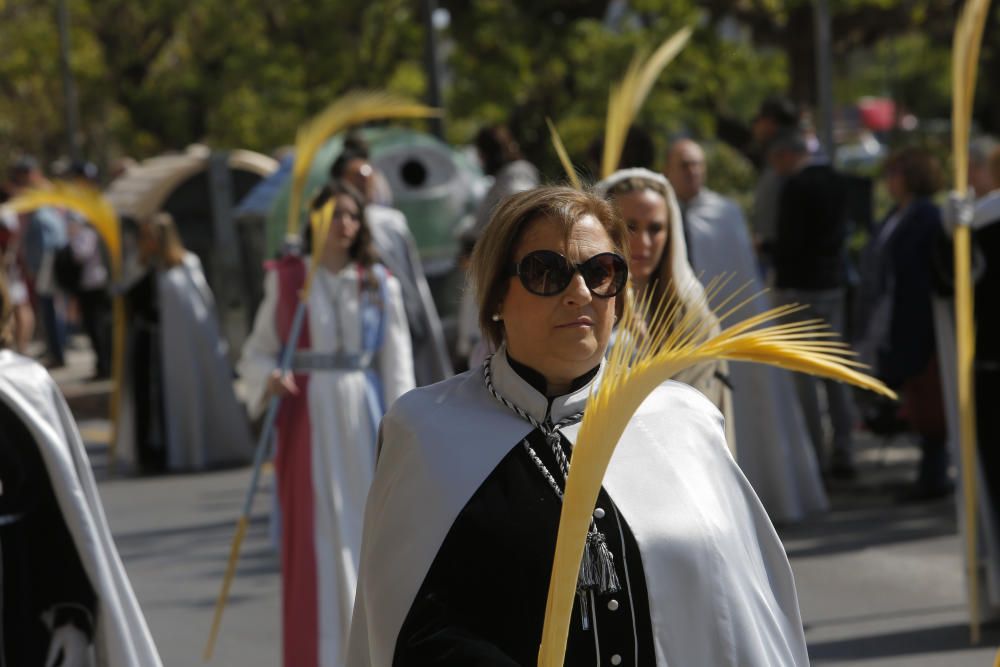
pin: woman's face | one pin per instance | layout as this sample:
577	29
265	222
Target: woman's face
345	225
645	213
564	335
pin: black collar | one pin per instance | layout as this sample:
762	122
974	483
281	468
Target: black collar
538	381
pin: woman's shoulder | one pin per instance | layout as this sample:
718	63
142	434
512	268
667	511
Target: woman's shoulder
680	397
22	368
681	410
444	396
26	378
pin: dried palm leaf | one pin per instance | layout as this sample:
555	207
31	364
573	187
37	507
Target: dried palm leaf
964	65
647	354
352	109
567	164
628	95
98	211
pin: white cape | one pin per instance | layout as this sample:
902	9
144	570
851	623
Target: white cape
205	424
774	449
720	587
121	637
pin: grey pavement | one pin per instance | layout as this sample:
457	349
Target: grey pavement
880	583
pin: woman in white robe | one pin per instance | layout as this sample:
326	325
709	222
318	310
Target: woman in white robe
352	361
179	409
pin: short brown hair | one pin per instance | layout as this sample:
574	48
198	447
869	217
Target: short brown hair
495	249
920	170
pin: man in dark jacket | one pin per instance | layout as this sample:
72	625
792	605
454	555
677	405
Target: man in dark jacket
810	269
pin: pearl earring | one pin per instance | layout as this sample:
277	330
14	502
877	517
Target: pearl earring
496	317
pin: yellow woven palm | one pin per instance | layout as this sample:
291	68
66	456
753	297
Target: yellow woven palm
98	211
649	352
964	64
352	109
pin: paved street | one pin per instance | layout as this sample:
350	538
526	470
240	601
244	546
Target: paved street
880	583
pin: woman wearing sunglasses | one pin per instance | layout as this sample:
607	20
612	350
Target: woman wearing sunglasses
659	267
683	566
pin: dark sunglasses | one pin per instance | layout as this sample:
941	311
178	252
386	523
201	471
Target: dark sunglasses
546	273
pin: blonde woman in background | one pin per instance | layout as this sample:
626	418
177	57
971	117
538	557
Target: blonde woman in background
658	264
180	411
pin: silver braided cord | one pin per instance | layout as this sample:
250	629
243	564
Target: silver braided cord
550	431
597	570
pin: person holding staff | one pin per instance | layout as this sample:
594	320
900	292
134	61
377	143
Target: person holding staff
353	360
682	565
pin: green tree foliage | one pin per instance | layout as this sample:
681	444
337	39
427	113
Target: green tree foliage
160	74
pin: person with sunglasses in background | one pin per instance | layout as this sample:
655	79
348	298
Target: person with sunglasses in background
462	516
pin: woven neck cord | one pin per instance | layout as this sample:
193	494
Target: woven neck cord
597	568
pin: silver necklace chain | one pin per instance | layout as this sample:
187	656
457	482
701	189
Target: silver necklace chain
597	568
548	429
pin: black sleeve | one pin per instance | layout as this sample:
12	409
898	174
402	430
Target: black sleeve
44	561
911	335
432	636
790	236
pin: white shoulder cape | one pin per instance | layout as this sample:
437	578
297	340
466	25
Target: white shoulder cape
720	586
121	638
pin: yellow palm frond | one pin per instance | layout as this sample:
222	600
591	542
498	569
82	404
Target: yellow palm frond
352	109
964	65
628	95
320	220
90	204
87	202
646	355
567	164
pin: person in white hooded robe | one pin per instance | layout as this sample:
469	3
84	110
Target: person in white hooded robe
775	451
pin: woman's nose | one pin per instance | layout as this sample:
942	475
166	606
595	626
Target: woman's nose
577	293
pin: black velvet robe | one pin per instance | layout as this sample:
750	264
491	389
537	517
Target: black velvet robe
145	374
986	270
41	570
483	601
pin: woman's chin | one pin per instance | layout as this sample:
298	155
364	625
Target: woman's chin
575	345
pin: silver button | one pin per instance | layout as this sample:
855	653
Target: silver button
598	513
613	605
616	659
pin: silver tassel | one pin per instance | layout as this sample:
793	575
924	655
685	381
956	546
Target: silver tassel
584	597
597	567
603	561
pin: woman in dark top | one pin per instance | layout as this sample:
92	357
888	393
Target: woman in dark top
682	565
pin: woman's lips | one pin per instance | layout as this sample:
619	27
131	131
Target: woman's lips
580	322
